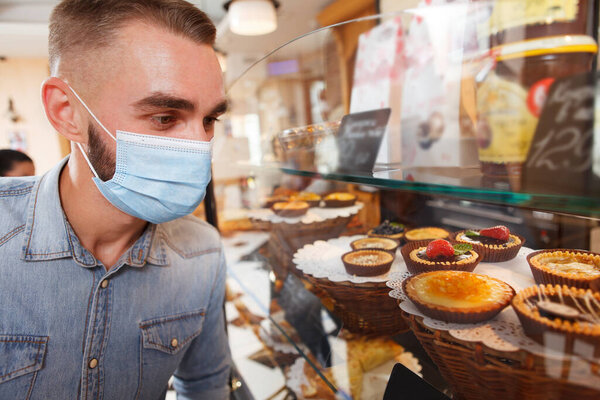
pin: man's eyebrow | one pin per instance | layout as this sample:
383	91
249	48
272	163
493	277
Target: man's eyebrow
220	108
162	100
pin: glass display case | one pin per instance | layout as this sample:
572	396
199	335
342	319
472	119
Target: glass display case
422	187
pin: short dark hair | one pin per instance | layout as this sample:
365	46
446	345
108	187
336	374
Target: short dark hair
9	157
79	25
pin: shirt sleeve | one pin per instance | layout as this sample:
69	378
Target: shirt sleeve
204	371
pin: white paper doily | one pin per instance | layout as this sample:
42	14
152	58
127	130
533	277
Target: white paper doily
323	259
314	214
503	332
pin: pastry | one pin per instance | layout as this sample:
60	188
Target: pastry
290	209
312	199
458	296
495	244
390	230
339	199
426	234
375	243
576	268
570	312
269	201
367	262
439	254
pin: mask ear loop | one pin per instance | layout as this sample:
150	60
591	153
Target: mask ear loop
83	153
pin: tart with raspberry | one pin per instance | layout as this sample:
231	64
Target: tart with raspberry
290	209
495	244
389	230
548	311
339	199
426	233
458	296
375	243
367	262
439	254
312	199
576	268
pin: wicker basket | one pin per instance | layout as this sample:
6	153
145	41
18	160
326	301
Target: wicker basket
364	308
474	371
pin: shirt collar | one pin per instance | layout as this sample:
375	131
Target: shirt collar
49	236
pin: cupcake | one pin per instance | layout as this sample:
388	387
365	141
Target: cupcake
375	243
339	199
439	254
389	230
495	244
458	296
312	199
546	311
576	268
367	262
427	233
290	209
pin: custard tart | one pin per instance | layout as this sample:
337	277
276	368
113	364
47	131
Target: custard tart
312	199
375	243
426	233
339	199
576	268
458	296
290	209
367	262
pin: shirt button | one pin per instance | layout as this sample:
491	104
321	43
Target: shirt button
93	363
104	284
174	342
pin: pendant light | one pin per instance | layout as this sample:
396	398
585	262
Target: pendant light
252	17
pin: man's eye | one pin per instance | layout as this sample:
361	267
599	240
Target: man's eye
209	121
164	119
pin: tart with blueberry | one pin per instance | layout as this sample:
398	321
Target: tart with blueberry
548	311
576	268
312	199
458	296
389	230
367	262
339	199
426	233
290	209
375	243
495	244
439	254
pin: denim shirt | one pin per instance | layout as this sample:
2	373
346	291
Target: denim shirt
69	329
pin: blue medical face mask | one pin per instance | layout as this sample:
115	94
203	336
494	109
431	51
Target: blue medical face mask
157	179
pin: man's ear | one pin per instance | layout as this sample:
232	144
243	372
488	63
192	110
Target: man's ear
58	103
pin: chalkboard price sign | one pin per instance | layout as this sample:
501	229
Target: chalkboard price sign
560	157
359	138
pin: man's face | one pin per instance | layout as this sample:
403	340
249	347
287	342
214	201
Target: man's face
152	82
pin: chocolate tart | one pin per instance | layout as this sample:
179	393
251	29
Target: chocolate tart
426	233
339	199
492	250
367	262
458	296
313	199
542	324
375	243
290	209
576	268
269	201
415	257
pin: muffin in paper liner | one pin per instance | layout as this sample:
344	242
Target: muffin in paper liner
417	266
355	266
425	233
545	329
467	315
375	243
543	274
493	252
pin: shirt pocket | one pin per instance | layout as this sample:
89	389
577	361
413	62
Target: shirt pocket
21	358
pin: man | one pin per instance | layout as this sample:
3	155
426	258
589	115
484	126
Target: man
107	289
15	163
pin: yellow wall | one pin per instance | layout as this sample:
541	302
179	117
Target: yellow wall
21	79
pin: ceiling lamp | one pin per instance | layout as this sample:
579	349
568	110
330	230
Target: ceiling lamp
252	17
